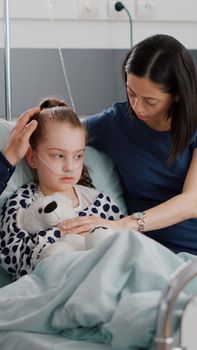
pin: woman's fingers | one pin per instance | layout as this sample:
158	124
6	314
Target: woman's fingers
23	128
28	130
86	224
24	118
84	229
81	224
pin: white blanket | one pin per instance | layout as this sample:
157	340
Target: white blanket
108	294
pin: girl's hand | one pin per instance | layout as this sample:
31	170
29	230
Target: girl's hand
85	224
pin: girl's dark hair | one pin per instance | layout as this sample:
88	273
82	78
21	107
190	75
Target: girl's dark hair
166	62
54	109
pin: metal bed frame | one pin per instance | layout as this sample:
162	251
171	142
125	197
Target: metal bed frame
7	63
164	335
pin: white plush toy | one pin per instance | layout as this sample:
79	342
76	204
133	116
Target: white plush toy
50	211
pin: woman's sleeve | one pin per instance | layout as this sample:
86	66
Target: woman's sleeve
99	128
102	126
18	249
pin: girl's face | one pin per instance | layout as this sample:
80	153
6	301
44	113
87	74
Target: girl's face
59	157
149	102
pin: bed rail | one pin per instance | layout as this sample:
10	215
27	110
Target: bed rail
183	275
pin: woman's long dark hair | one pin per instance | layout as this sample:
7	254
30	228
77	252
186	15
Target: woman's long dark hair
57	110
166	62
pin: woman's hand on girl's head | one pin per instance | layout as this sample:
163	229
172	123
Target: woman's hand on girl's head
85	224
18	141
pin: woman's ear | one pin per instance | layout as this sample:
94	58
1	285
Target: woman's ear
176	98
31	158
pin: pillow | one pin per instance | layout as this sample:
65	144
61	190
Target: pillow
105	176
101	168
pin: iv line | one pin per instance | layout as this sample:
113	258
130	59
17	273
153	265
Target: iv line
52	168
51	19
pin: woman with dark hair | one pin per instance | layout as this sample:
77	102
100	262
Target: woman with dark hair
152	139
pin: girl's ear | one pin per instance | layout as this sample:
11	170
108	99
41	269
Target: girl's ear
31	158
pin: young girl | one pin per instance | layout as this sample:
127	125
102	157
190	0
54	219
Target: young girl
56	152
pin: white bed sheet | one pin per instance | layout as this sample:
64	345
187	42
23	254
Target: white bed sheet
11	340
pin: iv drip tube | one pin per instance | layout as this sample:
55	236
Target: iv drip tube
7	65
51	19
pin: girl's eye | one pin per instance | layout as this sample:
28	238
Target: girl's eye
57	156
78	156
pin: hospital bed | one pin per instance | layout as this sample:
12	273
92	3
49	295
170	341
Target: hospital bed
105	178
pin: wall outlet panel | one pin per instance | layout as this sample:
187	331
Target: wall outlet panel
168	10
145	9
88	9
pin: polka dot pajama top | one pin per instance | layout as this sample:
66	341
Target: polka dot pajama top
17	246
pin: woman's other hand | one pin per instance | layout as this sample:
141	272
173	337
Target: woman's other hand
85	224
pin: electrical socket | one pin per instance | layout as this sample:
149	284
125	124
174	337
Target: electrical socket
145	9
117	15
88	9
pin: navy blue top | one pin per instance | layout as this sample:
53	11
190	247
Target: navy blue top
6	170
140	154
